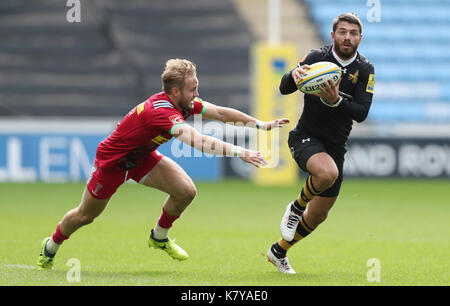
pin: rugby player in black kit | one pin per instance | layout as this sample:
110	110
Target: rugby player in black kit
318	142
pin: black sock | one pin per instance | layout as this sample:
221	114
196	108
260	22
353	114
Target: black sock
297	208
303	229
277	250
47	253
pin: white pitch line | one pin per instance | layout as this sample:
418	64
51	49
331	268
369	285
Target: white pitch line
28	267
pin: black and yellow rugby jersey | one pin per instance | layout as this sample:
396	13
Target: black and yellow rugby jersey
333	124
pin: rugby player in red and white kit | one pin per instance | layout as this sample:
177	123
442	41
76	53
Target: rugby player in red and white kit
130	153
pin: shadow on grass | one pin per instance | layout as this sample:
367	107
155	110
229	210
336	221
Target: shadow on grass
312	279
130	278
167	277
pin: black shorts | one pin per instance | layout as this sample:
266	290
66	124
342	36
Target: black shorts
303	146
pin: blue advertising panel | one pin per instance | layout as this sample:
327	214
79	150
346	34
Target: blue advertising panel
67	156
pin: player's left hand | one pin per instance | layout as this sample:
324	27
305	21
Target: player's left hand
330	93
253	157
277	123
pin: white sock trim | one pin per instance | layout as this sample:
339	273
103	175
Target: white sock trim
52	246
160	232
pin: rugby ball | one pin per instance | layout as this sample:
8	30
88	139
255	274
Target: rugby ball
317	75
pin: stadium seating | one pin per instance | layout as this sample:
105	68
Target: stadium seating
408	47
114	57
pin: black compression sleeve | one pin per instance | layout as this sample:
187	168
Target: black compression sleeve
357	112
287	84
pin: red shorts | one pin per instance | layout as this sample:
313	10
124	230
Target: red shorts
104	182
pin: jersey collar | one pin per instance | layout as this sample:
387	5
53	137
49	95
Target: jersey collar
166	97
342	62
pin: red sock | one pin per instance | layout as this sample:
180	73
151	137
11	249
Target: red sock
166	220
58	237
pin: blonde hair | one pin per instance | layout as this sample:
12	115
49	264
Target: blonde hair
175	73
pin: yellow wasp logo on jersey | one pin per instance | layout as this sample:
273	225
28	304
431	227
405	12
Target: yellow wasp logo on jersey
354	77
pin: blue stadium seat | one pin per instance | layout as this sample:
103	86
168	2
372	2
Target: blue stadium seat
350	2
403	53
408	45
408	111
412	33
388	32
392	71
390	12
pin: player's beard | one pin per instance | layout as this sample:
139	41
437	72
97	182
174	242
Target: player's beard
186	104
338	48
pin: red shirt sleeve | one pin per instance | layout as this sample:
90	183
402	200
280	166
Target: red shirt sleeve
199	106
165	119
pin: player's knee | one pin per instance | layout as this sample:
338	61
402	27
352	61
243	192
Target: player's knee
186	194
190	194
327	177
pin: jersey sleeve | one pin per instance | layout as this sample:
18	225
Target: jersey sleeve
310	58
287	84
199	106
358	109
167	119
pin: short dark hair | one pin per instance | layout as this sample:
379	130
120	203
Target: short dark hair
350	18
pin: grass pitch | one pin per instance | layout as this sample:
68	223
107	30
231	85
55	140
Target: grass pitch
403	224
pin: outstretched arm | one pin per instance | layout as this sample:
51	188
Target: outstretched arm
211	145
231	115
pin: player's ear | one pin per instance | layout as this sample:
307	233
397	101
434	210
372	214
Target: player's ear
175	91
